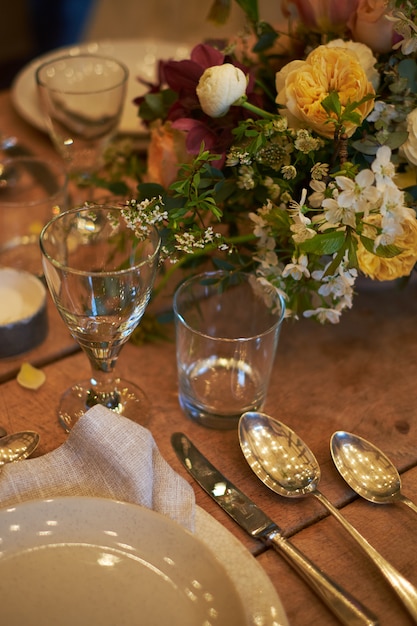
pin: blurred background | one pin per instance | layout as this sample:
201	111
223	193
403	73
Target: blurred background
31	27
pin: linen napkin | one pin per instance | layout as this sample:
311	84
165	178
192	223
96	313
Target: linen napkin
108	456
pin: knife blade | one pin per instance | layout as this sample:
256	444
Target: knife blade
256	523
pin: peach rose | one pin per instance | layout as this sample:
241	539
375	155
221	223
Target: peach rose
302	85
370	25
166	152
382	268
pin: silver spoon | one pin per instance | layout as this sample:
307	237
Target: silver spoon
17	446
367	470
286	465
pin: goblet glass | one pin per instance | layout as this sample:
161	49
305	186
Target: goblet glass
82	99
100	273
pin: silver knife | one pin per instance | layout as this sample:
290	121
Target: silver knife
254	521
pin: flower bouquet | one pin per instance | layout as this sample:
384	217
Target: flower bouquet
290	151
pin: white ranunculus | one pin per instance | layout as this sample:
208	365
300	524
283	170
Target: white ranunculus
409	147
219	87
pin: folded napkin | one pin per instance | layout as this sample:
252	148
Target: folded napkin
108	456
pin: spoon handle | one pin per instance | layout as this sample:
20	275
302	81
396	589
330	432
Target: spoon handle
408	502
402	587
347	609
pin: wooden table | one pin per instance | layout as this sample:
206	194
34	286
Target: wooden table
359	375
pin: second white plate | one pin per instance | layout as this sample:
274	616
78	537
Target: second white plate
91	560
140	56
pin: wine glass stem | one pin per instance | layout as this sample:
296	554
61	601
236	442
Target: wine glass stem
83	188
103	390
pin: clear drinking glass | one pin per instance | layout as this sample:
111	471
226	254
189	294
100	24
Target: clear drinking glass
226	335
82	98
32	190
100	274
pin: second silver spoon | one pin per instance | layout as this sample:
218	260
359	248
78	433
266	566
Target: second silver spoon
286	465
17	446
366	469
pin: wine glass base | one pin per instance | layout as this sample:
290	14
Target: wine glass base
132	403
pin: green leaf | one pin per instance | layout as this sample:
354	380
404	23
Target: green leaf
331	104
395	140
118	188
383	251
388	251
149	190
219	12
222	264
367	243
352	116
156	105
328	243
367	146
250	8
267	35
407	68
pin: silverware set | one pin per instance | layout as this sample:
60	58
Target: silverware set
285	464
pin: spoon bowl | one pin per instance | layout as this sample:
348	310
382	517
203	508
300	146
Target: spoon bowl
285	464
17	446
366	469
278	456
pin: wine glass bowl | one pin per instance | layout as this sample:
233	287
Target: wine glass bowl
100	274
82	98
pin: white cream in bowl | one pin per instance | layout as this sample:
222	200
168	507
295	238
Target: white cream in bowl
23	317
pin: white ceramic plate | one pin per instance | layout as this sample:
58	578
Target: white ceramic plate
140	56
90	561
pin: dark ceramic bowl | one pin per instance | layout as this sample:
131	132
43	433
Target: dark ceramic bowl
23	314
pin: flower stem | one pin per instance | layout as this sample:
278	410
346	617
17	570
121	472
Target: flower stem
174	267
243	102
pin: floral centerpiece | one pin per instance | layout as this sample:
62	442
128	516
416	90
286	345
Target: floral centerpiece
290	151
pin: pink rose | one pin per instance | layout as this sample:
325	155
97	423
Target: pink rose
323	16
284	48
370	25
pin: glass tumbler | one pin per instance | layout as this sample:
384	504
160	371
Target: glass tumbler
226	340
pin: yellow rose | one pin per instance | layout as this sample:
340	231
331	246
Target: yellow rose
166	152
382	268
302	85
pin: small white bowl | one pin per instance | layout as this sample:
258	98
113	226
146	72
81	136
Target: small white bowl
23	315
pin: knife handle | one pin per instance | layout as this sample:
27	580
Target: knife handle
347	609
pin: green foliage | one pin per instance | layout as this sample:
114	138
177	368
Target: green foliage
156	105
325	244
348	113
219	12
407	68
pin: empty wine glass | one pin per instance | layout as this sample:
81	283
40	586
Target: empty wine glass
100	273
82	99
